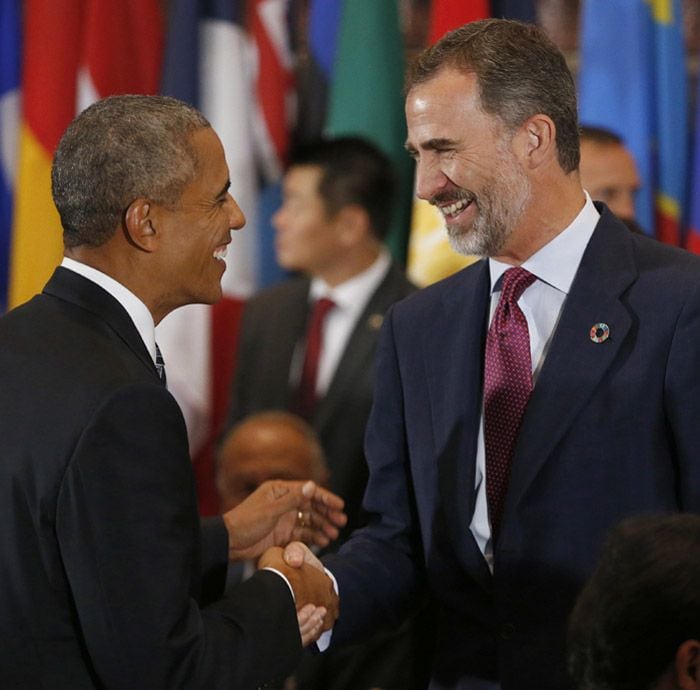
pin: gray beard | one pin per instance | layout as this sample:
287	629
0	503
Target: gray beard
500	206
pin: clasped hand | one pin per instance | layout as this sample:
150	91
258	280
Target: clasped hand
279	512
315	597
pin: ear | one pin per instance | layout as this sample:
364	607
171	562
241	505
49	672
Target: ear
687	665
535	141
352	222
139	226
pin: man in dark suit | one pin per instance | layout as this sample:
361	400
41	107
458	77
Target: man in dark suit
531	401
337	200
106	580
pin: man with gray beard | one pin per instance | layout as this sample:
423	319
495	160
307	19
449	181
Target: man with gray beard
526	404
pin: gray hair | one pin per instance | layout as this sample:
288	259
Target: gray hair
116	150
519	71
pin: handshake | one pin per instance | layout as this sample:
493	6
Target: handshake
314	593
291	514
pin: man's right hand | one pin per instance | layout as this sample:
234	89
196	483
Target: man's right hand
310	583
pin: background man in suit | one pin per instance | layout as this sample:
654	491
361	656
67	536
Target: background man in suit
608	171
531	401
106	580
637	622
337	200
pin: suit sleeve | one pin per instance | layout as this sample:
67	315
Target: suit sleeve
128	531
379	569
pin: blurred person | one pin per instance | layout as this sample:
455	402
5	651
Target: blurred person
107	578
274	444
636	624
528	403
337	202
608	171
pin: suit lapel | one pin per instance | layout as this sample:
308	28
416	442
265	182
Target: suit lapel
72	287
453	353
575	364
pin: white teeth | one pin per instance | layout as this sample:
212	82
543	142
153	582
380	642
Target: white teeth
220	253
458	206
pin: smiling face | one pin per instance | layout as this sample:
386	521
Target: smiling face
464	163
195	232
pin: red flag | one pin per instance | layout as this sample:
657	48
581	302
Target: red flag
448	14
75	52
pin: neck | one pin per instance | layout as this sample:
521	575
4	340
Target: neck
551	209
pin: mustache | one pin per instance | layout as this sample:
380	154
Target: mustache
450	197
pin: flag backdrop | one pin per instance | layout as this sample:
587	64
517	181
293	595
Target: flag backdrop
10	47
366	95
74	52
693	235
237	70
430	256
633	81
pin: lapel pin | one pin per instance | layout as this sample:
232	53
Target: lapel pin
599	332
375	321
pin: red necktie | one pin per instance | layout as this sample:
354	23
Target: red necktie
507	387
306	393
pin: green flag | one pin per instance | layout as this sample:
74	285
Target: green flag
366	96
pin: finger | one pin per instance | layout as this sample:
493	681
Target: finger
312	629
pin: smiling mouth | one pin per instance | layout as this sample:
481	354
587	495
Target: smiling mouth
220	252
452	210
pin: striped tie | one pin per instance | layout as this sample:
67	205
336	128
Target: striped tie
160	365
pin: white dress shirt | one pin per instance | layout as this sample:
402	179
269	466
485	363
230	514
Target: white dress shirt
136	309
350	299
554	266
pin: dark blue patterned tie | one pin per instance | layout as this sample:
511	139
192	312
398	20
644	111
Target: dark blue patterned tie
160	365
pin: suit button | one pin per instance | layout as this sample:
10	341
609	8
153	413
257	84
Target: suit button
507	631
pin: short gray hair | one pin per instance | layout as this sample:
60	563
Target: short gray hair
116	150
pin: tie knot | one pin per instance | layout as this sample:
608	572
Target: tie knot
515	282
322	307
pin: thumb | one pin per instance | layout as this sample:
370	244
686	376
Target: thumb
295	554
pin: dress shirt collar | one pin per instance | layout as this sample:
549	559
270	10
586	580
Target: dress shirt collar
353	294
557	262
136	309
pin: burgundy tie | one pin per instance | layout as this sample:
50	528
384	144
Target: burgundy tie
507	387
306	393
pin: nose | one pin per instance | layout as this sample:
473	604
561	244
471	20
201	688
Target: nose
277	219
430	180
236	216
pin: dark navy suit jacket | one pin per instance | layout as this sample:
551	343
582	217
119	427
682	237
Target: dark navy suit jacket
611	429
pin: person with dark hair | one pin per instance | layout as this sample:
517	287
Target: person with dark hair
337	198
108	580
636	624
608	171
531	401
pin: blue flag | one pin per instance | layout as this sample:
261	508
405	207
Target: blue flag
633	82
10	50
